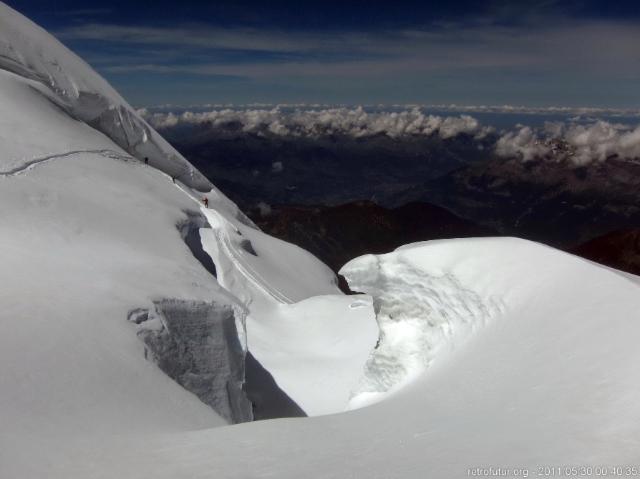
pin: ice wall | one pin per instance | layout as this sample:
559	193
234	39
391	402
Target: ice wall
197	344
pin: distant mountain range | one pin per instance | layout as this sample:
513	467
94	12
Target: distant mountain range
337	234
557	203
328	170
619	250
319	188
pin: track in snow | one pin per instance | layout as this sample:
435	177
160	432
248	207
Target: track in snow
45	159
246	269
235	255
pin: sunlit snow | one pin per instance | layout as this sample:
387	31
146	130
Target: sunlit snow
477	352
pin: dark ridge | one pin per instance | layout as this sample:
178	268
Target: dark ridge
544	200
337	234
320	170
619	250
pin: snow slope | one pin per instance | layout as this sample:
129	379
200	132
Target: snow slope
87	233
61	77
90	233
83	240
311	338
549	380
493	352
24	140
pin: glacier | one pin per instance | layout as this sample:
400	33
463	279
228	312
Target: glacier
84	209
467	353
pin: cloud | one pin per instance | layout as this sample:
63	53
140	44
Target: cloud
354	122
523	143
550	60
586	47
546	110
84	12
264	209
573	113
578	143
208	38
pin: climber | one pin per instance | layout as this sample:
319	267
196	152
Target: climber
206	202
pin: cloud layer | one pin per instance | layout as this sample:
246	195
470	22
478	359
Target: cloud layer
546	110
354	122
555	44
551	59
579	143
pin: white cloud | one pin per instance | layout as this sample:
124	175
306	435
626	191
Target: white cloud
264	209
581	113
355	122
582	144
588	46
522	143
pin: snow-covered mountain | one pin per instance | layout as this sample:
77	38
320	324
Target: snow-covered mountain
129	310
99	225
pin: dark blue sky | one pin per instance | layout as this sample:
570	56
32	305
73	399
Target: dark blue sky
539	53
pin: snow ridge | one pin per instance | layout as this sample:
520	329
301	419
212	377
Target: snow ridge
419	313
221	230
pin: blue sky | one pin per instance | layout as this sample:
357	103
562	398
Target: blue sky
537	53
